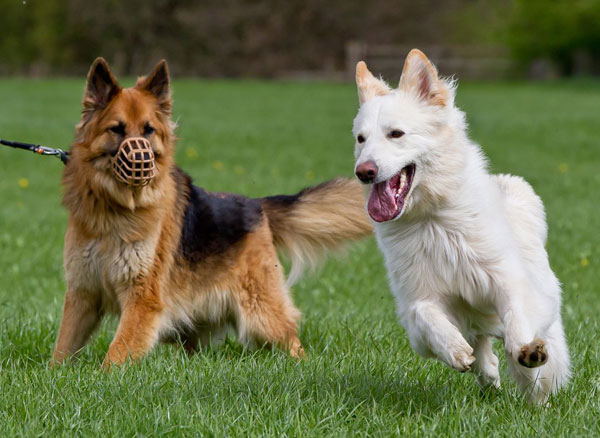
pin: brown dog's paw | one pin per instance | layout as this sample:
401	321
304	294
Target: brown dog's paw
296	350
533	354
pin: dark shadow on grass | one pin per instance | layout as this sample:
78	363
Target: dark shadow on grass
394	395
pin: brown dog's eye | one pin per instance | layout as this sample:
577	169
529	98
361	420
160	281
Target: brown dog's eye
118	129
360	139
396	133
148	129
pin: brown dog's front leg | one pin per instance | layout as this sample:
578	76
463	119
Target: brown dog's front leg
137	332
81	315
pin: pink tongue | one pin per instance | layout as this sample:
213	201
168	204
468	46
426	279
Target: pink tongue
382	206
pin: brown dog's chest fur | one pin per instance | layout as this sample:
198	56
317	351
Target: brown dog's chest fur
107	265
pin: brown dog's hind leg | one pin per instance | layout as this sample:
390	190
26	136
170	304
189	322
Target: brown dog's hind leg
271	325
137	332
190	343
264	310
81	316
268	316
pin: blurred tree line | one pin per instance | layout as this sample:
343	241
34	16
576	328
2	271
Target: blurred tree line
565	33
272	37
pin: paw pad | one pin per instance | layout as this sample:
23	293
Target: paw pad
533	354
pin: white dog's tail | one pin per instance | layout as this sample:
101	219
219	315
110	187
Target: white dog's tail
316	219
525	209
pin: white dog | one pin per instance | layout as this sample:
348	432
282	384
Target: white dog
464	250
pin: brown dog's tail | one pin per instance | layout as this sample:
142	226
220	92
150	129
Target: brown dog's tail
318	218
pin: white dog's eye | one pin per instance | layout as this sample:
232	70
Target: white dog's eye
360	139
396	133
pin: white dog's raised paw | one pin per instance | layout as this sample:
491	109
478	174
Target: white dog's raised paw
533	354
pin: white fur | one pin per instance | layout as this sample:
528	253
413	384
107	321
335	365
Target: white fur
466	259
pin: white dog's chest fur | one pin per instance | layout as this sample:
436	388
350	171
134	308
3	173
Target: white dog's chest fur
427	261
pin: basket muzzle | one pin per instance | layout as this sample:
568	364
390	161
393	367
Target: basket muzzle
133	164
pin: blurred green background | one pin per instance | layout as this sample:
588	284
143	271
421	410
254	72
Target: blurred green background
301	38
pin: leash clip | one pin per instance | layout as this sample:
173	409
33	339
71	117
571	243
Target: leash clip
38	149
57	152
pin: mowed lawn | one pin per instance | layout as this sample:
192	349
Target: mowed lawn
360	377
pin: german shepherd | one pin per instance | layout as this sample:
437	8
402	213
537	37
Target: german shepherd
174	261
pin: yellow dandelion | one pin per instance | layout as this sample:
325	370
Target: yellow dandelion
585	262
191	153
563	167
310	175
239	170
23	183
217	165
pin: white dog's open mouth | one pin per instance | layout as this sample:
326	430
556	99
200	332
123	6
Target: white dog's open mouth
387	198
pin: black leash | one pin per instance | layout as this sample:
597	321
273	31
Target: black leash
38	149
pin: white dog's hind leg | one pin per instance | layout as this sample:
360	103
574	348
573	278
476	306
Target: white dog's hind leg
540	382
485	367
430	326
519	316
558	369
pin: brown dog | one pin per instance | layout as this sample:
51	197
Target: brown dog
175	261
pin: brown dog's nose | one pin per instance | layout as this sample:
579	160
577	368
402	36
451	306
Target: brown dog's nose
367	171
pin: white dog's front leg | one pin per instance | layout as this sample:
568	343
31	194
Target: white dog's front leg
429	326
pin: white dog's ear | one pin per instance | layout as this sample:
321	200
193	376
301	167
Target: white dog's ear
420	75
368	85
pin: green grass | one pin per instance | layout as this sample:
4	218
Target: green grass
361	376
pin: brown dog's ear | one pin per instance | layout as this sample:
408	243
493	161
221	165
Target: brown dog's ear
420	75
368	86
158	84
101	86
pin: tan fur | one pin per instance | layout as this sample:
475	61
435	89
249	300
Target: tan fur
307	232
421	75
368	85
122	251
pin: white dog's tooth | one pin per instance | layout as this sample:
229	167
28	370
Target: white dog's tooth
402	179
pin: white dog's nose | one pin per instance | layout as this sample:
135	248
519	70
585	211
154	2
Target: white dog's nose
367	171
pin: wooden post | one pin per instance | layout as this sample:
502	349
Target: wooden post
355	51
